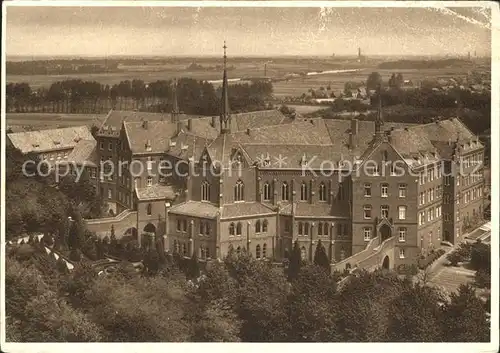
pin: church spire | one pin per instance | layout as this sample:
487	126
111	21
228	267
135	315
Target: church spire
379	121
225	116
175	104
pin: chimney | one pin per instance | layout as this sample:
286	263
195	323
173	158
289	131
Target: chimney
354	126
190	124
145	124
351	141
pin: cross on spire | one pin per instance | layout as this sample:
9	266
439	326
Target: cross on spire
225	47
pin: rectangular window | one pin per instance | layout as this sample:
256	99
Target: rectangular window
339	230
402	234
288	226
101	145
402	212
421	218
110	146
401	253
150	163
179	225
429	215
402	190
384	190
110	194
384	211
367	234
367	212
368	190
422	198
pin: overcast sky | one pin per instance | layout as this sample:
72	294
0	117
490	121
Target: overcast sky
99	31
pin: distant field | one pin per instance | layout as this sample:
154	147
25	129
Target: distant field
294	87
17	121
306	109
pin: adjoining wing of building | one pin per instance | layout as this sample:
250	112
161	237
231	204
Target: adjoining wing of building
261	181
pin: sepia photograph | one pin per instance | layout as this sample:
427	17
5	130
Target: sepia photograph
233	171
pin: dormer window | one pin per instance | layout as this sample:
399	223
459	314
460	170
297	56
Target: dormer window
35	145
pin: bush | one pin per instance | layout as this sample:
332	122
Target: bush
75	255
47	240
427	261
454	258
406	269
483	278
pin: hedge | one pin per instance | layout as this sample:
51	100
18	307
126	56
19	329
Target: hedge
425	262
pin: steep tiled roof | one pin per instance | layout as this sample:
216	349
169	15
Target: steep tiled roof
196	209
154	133
155	192
239	209
291	156
221	149
257	119
48	140
311	132
84	153
187	146
113	121
444	130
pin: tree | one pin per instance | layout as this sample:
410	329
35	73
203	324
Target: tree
295	262
465	318
193	268
480	257
373	81
320	257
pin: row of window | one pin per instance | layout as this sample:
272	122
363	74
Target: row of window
304	229
471	179
110	145
384	211
305	190
473	194
183	248
429	175
472	160
429	195
432	213
384	190
367	234
260	227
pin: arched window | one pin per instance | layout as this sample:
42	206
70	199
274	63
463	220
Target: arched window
207	229
257	252
257	226
284	191
238	191
264	250
320	228
326	229
303	192
149	208
306	228
231	229
238	228
267	192
303	252
301	228
184	249
264	226
322	192
205	191
238	250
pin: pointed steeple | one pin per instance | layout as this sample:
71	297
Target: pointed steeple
175	104
379	121
225	115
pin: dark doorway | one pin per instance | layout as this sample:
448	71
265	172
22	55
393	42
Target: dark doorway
446	236
150	228
385	263
385	232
